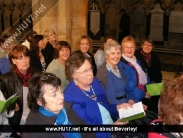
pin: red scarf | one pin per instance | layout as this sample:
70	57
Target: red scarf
147	57
24	77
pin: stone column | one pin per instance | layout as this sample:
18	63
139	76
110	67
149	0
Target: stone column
67	17
44	13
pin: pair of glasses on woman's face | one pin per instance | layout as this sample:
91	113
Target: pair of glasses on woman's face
46	76
86	71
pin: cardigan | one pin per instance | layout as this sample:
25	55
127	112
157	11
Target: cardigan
111	84
58	69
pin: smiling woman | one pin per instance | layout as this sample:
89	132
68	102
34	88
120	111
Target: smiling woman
57	66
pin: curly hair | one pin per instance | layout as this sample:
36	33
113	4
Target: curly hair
171	102
78	42
110	44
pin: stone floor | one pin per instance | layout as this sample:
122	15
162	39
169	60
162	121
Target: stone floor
169	59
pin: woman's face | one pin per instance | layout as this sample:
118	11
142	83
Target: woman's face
22	63
41	44
83	76
54	98
113	57
64	54
147	47
52	36
84	46
128	49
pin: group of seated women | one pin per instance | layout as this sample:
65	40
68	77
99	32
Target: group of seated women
72	91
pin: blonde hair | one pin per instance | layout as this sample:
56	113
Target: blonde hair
128	39
78	42
47	31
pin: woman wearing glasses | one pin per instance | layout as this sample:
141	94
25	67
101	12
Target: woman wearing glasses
150	60
16	81
87	95
46	102
84	44
136	77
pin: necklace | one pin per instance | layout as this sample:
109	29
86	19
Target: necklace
93	96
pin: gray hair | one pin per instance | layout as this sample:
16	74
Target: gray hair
110	44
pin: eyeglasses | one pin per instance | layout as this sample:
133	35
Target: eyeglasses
86	71
149	45
129	47
83	44
46	76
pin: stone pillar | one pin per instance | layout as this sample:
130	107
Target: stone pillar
79	20
67	17
44	15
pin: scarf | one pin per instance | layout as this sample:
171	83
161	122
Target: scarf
140	72
24	77
147	57
61	119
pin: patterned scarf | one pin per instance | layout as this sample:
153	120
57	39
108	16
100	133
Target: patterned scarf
24	77
61	119
147	57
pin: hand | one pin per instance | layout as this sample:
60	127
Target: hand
123	105
131	101
145	107
147	95
120	123
16	107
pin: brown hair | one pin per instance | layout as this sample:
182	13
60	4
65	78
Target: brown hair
78	42
171	102
34	43
16	51
128	39
59	46
148	39
75	61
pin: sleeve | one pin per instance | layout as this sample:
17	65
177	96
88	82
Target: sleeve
131	87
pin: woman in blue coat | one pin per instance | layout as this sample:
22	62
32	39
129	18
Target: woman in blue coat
135	76
87	95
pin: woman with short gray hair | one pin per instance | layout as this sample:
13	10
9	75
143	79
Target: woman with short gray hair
111	76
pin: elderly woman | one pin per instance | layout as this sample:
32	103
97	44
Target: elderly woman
84	43
111	76
99	55
38	58
150	60
135	76
16	81
51	37
87	95
57	66
46	102
170	111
